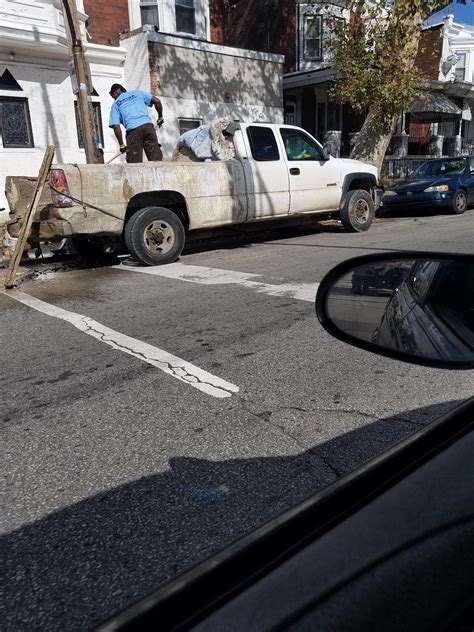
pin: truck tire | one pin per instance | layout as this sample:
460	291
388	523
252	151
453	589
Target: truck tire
357	212
459	203
154	236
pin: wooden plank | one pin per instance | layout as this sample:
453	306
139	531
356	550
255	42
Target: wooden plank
26	228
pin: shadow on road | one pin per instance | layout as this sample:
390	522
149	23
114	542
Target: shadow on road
227	238
79	565
412	213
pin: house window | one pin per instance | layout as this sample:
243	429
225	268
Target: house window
149	12
186	125
460	68
15	124
98	124
185	16
313	35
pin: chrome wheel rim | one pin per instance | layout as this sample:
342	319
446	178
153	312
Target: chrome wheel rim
460	202
159	237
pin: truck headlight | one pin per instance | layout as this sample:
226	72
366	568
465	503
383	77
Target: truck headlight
436	189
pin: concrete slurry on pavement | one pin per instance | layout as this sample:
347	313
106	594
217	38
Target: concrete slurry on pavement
119	475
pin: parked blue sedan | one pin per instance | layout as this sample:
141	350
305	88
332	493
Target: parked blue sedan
446	182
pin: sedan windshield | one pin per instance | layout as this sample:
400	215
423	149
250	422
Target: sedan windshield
440	168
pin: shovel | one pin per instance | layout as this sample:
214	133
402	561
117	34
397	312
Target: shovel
114	157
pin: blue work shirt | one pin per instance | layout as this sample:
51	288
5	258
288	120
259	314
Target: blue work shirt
130	109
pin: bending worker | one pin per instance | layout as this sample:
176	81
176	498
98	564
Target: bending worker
131	110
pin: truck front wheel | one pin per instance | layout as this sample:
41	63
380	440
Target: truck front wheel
357	212
154	236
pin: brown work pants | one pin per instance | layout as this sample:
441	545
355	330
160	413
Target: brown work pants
143	138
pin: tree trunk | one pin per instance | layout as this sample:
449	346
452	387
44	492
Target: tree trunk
374	139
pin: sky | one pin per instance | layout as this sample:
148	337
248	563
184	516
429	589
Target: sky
463	13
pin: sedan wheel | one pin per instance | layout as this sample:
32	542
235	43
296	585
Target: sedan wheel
459	203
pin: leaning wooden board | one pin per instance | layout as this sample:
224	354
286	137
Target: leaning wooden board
26	228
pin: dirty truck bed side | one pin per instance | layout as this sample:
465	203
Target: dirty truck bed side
278	172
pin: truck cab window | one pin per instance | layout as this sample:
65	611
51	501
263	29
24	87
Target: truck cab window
263	143
298	146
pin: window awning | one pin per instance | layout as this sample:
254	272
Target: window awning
435	105
307	78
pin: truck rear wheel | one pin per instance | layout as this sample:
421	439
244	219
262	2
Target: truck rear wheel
357	212
154	236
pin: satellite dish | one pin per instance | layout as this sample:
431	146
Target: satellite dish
449	62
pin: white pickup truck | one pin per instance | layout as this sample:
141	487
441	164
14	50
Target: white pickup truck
279	172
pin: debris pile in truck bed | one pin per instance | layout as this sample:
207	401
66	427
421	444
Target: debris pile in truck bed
207	142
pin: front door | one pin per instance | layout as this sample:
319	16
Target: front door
315	183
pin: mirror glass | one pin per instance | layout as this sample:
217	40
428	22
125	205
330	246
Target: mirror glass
420	307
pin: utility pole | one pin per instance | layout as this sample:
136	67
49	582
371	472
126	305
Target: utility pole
86	115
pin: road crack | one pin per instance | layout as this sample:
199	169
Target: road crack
179	372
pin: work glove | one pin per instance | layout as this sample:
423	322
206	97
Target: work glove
160	121
123	148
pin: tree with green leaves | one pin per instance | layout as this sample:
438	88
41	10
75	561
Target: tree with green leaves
374	56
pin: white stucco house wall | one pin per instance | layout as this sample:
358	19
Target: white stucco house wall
36	98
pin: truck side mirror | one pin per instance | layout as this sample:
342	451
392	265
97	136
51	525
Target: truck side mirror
326	153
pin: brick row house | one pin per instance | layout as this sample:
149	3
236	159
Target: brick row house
171	47
440	124
300	31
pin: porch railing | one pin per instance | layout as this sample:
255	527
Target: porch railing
396	168
468	145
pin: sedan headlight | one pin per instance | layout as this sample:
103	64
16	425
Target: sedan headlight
436	189
387	193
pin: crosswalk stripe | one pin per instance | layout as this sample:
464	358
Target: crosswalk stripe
215	276
166	362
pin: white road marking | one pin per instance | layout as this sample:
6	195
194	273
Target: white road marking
215	276
166	362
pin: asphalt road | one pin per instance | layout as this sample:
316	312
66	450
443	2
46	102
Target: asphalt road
125	465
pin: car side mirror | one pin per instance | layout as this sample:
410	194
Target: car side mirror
418	308
326	153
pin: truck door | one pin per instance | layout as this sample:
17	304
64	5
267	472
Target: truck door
268	184
315	183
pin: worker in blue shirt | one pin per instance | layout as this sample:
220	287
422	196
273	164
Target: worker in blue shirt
130	109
